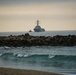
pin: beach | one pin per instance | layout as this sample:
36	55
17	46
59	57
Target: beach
51	54
55	59
9	71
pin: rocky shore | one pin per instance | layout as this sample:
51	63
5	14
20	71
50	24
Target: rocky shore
28	40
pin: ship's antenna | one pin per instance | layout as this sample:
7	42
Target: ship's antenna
37	22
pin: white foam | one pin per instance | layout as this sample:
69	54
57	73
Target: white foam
26	55
20	55
0	54
14	54
51	56
6	47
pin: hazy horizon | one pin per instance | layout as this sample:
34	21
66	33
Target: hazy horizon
21	15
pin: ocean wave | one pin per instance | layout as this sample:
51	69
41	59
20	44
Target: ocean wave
22	55
19	55
51	56
0	54
26	55
48	56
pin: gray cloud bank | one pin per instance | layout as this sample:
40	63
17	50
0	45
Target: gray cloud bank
5	2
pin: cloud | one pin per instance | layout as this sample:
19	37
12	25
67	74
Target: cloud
5	2
44	11
53	14
23	17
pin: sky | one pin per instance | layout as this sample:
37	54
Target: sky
21	15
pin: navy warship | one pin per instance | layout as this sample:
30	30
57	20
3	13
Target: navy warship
38	28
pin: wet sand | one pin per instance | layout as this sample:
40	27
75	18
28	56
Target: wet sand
9	71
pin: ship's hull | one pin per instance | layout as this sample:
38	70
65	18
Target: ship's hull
37	30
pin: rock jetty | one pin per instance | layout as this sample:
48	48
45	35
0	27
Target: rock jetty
28	40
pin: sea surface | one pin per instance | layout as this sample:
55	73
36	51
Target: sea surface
47	33
58	59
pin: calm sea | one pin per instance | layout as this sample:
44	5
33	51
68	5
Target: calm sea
47	33
58	59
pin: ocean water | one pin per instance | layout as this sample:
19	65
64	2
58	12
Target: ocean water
58	59
47	33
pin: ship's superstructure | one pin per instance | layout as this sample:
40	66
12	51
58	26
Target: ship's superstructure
38	28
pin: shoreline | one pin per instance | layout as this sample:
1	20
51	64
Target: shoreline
11	71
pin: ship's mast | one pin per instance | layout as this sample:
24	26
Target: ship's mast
37	22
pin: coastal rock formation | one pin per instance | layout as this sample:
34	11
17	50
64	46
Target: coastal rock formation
27	40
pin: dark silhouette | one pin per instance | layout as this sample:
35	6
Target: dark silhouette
27	40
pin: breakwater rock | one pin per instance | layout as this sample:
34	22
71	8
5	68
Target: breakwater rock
28	40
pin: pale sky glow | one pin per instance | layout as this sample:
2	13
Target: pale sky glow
21	15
